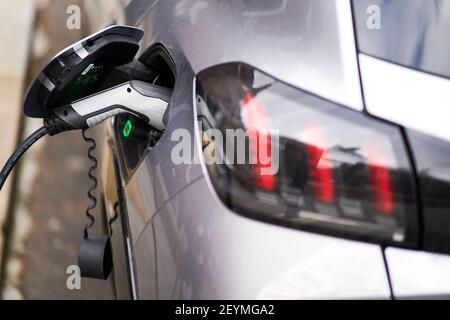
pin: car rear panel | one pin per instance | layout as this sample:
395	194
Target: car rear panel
185	242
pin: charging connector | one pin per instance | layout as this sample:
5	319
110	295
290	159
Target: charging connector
147	101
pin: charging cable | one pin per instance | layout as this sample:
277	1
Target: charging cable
24	146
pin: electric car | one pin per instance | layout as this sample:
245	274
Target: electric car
357	94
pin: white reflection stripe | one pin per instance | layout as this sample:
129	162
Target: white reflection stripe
80	50
411	98
416	273
351	88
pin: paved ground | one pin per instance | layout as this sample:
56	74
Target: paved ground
52	193
14	49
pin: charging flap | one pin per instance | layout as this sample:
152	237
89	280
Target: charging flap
80	69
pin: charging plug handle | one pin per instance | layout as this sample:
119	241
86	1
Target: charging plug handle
147	101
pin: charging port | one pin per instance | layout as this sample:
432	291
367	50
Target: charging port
134	136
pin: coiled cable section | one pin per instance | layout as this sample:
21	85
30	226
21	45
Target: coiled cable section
93	178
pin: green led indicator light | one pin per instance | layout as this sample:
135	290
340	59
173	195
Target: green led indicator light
127	129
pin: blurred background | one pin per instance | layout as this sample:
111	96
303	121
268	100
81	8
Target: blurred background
42	206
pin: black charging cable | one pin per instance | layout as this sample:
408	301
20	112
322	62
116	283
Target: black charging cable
52	126
23	147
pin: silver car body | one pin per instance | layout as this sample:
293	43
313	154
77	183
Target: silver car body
183	243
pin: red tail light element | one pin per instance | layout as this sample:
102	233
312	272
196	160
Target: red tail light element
382	193
260	143
329	179
321	170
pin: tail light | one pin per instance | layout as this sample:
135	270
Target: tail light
330	169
